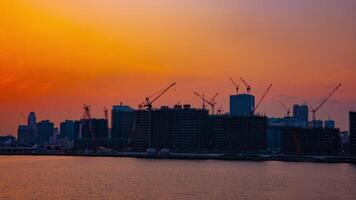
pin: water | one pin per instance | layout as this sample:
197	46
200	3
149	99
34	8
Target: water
34	177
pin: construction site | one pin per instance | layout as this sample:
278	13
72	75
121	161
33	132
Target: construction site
184	129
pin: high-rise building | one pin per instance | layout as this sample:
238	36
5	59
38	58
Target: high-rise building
141	130
25	135
180	128
99	128
240	134
301	114
44	131
122	119
68	130
242	105
31	121
352	131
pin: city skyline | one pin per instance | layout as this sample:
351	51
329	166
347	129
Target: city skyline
57	56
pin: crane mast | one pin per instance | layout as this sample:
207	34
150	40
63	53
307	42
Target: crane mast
202	97
87	119
107	121
149	104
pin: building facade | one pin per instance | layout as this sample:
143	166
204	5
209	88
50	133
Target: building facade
25	135
68	130
122	123
240	134
301	114
311	141
180	128
241	105
97	128
44	132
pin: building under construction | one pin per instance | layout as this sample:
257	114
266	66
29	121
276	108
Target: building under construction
239	134
352	141
310	141
180	128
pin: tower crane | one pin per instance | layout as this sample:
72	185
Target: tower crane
235	84
248	87
314	110
285	108
107	121
262	98
211	102
87	119
220	110
149	102
202	97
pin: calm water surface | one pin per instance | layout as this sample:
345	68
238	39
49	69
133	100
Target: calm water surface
129	178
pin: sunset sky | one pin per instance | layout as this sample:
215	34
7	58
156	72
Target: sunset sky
57	55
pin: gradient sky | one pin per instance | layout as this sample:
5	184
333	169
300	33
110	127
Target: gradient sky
57	55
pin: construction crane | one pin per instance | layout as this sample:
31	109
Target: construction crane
107	121
87	119
314	110
211	102
220	110
298	148
261	99
202	97
248	87
235	84
149	102
285	108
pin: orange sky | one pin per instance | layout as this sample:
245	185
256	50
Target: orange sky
57	55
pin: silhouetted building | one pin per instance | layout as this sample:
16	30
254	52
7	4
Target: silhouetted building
94	137
122	119
274	138
99	127
240	134
286	122
26	135
329	124
301	114
8	140
141	130
352	132
68	130
44	131
31	120
317	124
181	128
312	141
242	105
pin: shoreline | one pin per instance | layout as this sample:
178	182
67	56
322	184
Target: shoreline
200	156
